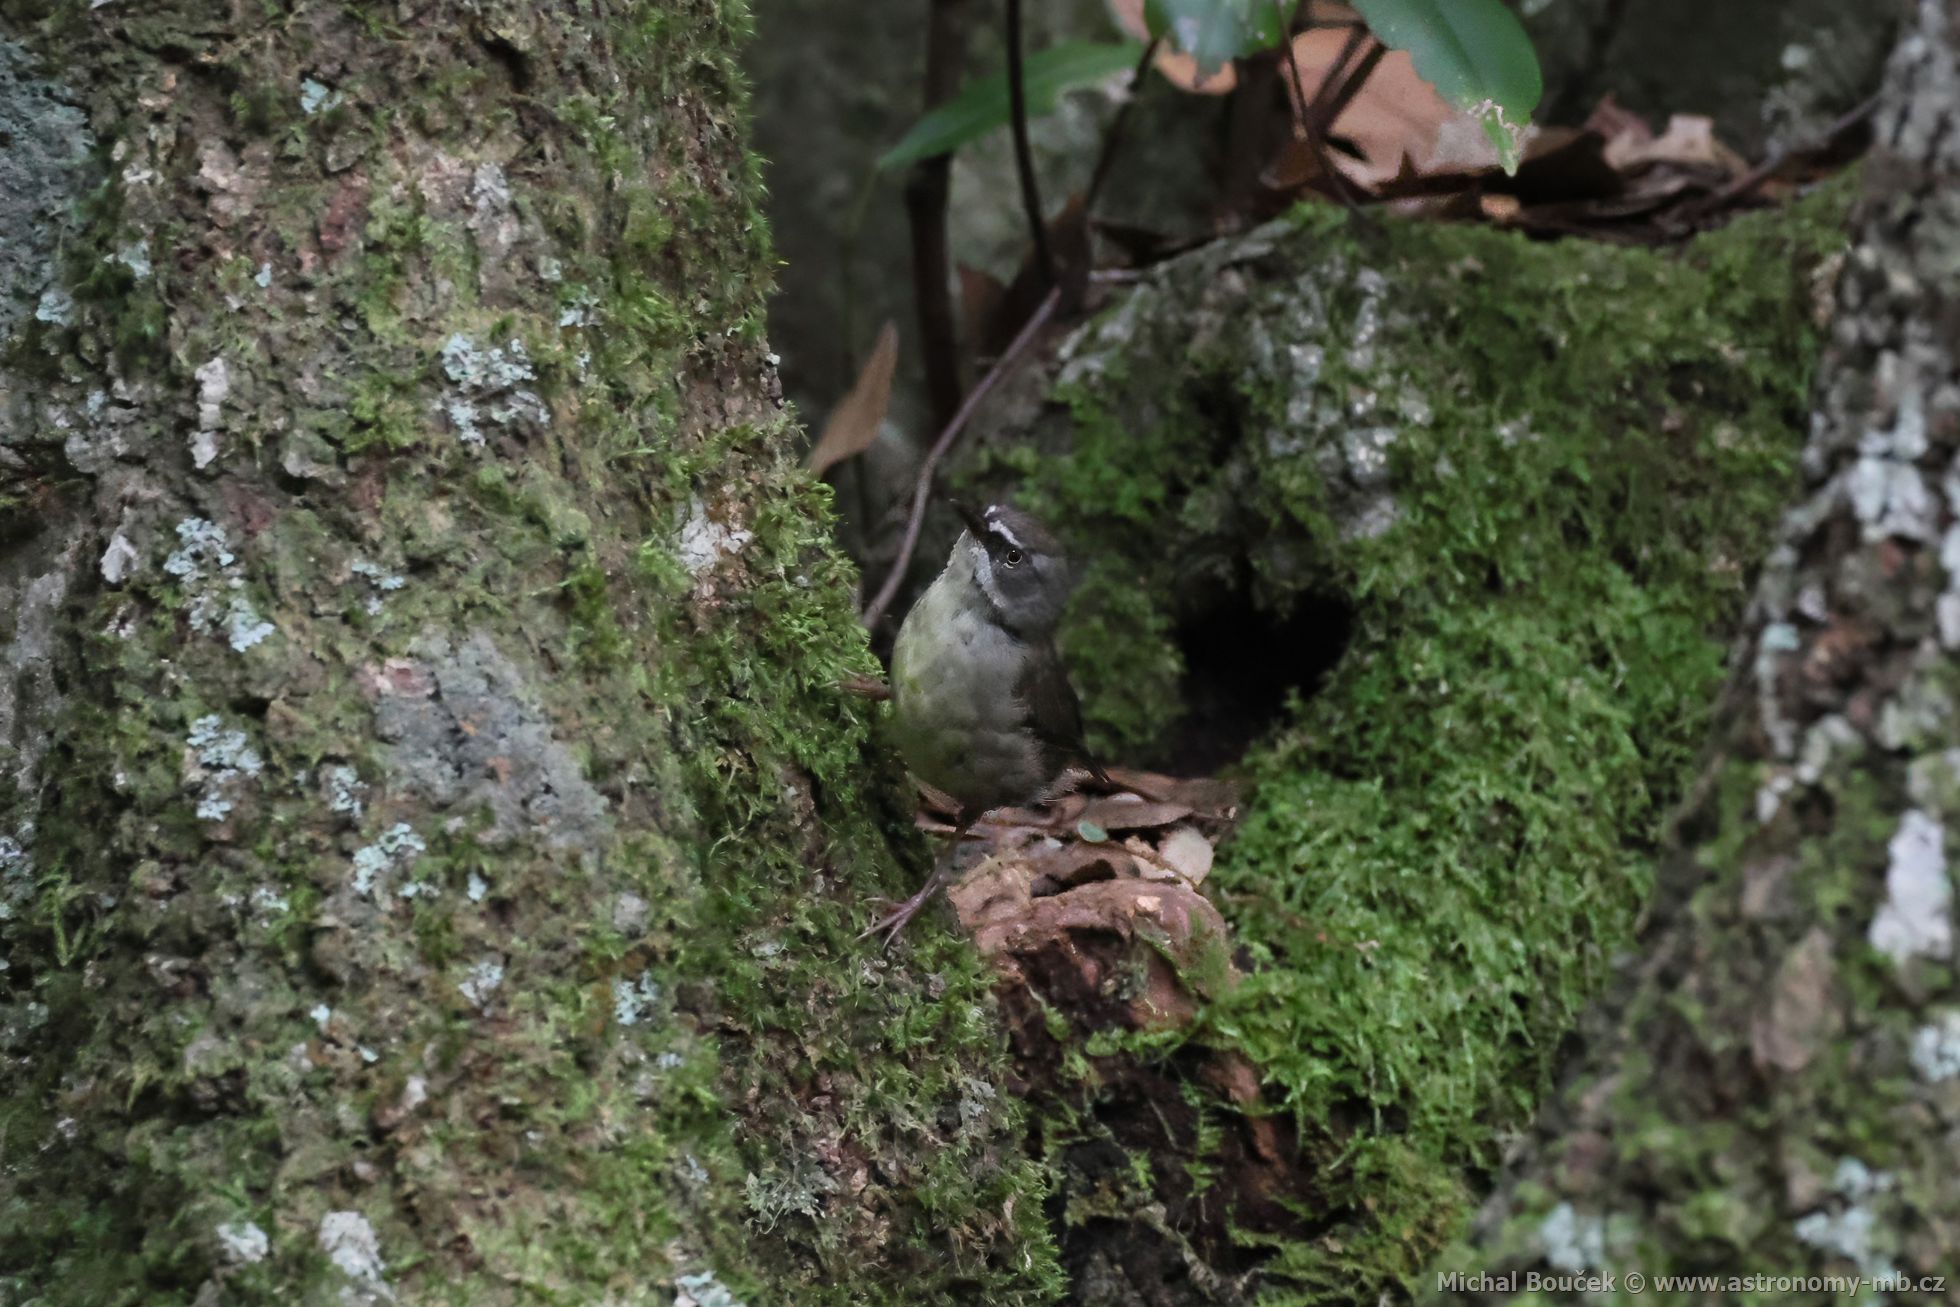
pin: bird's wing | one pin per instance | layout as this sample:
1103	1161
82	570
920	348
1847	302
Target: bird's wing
1054	713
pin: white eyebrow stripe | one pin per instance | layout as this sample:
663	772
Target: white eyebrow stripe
983	572
996	527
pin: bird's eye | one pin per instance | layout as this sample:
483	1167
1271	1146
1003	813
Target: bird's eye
1012	558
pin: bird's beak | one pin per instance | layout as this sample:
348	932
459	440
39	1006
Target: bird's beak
974	522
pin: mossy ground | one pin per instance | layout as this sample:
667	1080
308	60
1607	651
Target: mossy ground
1538	476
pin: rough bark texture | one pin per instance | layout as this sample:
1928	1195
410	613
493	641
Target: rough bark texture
431	836
1775	1087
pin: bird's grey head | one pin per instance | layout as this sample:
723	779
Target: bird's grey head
1019	567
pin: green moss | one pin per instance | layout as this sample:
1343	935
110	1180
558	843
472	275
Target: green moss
1536	475
382	414
1127	662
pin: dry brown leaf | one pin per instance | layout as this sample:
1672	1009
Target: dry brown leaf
1131	812
1395	116
1611	120
1181	70
854	423
1055	816
996	907
1206	796
1689	140
1187	852
1148	864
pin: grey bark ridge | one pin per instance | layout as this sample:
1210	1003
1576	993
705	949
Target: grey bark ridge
1773	1086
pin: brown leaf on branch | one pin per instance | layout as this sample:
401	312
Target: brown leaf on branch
1687	141
1395	121
854	423
1399	143
1181	70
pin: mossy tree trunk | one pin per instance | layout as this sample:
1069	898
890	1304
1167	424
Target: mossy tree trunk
431	834
1774	1087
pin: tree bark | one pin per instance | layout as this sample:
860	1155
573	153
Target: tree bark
431	832
1773	1087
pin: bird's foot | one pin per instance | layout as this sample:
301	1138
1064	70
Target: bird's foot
893	923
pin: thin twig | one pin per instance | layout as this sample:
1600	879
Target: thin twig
1017	95
1317	140
1780	156
1114	136
926	193
1329	112
1325	115
923	491
1309	109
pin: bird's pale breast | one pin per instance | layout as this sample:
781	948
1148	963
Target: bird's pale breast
959	722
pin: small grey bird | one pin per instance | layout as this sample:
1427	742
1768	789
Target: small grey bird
981	703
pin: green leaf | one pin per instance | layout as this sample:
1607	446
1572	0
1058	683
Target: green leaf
1215	32
1475	52
1091	832
983	105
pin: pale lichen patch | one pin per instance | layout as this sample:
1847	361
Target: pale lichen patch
396	849
218	761
481	981
119	559
213	388
629	913
1573	1241
633	999
702	1289
56	307
1936	1048
1778	639
1851	1227
489	386
492	218
317	97
351	1245
243	1242
204	563
345	789
1916	917
380	581
1946	608
16	872
705	542
136	257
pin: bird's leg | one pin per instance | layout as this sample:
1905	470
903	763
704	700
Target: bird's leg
894	921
